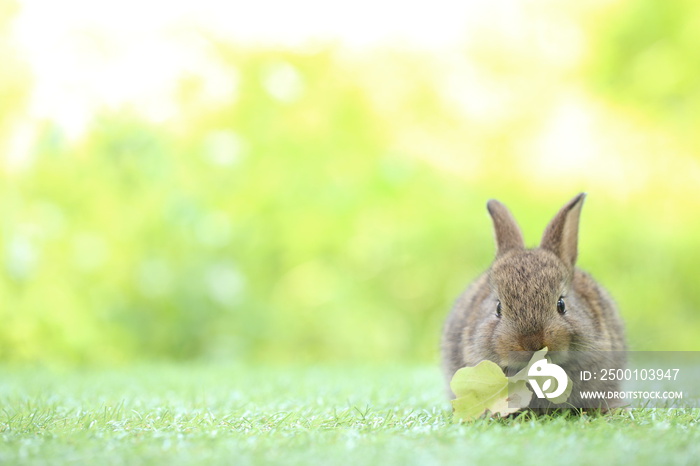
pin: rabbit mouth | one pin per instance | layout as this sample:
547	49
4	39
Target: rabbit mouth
518	360
512	367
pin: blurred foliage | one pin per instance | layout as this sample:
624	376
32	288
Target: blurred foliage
288	224
266	228
647	57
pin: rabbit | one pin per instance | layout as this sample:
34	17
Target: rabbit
535	298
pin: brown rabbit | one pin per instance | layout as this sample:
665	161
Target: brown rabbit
532	298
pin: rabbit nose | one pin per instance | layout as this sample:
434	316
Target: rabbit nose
532	342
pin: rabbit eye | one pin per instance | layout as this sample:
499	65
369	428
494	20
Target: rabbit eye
498	309
561	306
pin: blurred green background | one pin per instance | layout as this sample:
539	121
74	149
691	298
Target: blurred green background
331	205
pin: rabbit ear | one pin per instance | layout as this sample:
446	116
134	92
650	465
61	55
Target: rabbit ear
508	235
561	235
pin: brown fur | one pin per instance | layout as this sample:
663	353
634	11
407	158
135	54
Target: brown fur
528	283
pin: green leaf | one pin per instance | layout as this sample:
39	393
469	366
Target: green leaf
519	396
485	388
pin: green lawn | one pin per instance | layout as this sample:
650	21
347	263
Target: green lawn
203	414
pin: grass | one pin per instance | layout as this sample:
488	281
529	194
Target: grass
207	414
